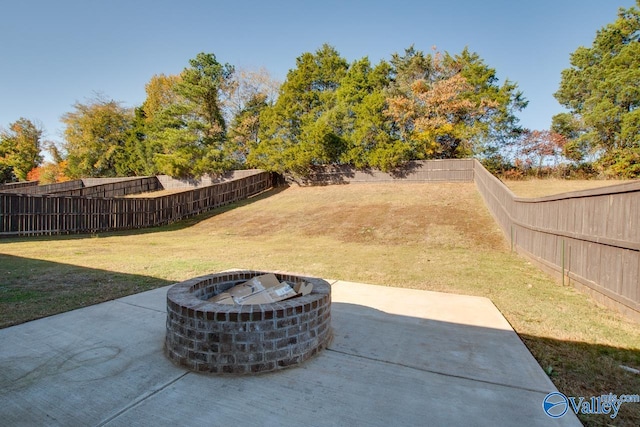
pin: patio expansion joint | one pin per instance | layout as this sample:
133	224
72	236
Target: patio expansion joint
430	371
140	306
141	399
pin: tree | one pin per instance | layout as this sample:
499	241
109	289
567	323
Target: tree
253	91
497	126
50	172
188	131
428	118
19	150
406	69
246	86
137	158
567	125
150	122
446	106
366	130
161	94
601	90
293	132
539	145
243	134
95	137
415	107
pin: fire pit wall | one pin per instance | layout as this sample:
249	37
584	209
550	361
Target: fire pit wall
244	339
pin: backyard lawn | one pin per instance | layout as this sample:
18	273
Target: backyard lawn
438	237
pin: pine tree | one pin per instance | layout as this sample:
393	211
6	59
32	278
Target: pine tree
601	90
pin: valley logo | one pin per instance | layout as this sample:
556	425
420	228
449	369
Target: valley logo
556	404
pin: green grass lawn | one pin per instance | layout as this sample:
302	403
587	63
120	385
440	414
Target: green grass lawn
437	237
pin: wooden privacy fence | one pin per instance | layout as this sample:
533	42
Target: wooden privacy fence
34	188
114	188
87	187
18	186
36	214
448	170
588	238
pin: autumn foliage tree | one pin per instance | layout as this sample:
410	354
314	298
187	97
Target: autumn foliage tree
52	171
448	106
49	173
95	137
538	146
434	115
19	150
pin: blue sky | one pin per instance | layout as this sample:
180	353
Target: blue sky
55	53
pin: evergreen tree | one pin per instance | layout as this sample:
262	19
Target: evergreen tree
361	102
136	158
601	90
293	133
188	130
161	95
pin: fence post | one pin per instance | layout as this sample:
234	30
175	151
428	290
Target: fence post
563	262
511	238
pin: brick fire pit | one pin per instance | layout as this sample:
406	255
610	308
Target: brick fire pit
244	339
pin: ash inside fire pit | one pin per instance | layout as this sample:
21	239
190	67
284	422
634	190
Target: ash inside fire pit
205	336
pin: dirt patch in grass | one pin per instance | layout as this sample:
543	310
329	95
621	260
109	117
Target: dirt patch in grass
432	218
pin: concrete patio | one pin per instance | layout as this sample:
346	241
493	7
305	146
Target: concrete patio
398	357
